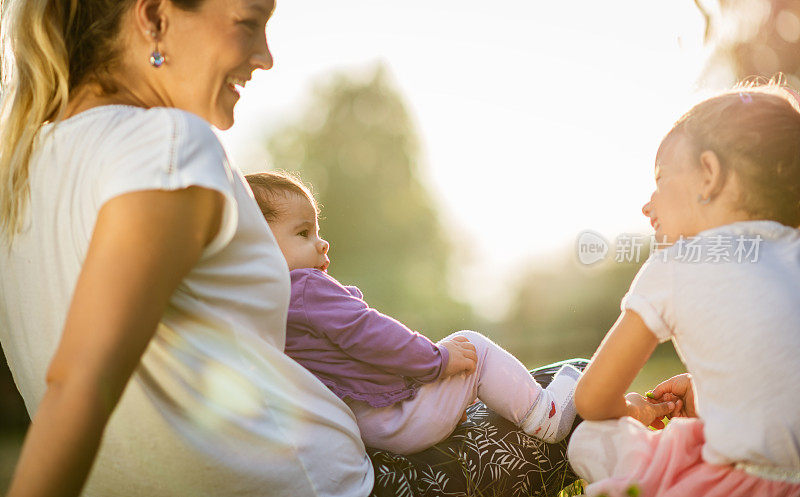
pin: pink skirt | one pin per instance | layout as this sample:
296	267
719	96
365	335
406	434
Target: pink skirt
621	457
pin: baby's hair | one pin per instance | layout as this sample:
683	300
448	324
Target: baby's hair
268	185
755	132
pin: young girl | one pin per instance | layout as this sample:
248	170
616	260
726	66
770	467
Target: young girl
406	392
726	291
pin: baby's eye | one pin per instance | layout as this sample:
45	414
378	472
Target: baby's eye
304	233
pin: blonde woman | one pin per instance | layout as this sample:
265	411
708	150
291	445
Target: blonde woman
132	251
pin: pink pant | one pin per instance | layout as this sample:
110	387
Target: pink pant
500	381
618	454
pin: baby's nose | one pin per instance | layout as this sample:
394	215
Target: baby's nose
324	246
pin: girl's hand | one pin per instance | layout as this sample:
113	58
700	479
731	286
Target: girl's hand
680	390
646	412
463	357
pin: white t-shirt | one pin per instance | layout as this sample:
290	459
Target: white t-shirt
215	407
730	301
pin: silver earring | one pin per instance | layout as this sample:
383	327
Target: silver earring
702	200
157	59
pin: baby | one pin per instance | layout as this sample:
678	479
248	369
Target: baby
407	393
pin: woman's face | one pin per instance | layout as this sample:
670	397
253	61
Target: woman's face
211	53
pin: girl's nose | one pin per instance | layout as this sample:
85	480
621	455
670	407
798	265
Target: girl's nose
323	246
647	207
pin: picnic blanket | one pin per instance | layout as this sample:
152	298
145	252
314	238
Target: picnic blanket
485	456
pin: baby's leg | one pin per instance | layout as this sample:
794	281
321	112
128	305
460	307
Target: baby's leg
502	382
410	426
413	425
506	386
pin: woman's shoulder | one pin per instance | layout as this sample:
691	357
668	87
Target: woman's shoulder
121	127
125	148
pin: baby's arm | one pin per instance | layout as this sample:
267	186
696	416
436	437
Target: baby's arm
367	335
600	393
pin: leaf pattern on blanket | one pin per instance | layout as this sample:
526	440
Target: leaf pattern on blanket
485	456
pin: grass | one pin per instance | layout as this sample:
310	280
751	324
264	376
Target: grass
573	490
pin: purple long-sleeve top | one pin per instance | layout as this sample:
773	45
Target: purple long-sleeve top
353	349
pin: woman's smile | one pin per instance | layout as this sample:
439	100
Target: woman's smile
234	83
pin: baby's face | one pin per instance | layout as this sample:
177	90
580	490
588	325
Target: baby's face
297	233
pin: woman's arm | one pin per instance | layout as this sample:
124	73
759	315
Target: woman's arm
144	243
600	393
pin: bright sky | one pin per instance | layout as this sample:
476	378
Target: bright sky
538	119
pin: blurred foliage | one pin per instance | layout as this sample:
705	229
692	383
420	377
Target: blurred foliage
356	145
754	38
358	148
564	310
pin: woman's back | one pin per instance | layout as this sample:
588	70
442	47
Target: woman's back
215	407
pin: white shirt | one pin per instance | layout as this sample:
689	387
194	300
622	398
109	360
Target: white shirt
736	327
215	407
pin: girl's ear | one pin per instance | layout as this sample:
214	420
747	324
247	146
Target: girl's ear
712	174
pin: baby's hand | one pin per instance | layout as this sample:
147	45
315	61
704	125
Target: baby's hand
463	357
647	412
678	389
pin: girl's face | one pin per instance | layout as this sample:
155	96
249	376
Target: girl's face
297	233
673	206
211	53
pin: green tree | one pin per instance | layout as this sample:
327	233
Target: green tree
357	146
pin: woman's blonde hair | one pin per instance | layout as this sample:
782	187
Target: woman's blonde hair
34	75
48	48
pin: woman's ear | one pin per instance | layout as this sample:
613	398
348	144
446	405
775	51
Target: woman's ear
712	174
149	16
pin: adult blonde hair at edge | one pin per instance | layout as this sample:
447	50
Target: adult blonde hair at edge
48	48
34	88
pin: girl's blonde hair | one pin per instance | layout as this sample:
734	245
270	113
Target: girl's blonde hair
755	132
48	48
